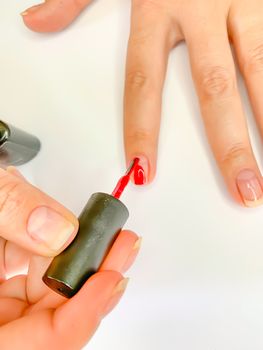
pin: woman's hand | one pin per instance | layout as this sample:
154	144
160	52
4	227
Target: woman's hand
31	315
208	27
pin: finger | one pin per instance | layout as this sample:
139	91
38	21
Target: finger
10	309
12	305
13	170
123	252
16	258
14	288
246	34
53	15
214	75
151	37
98	297
120	258
33	220
30	288
73	323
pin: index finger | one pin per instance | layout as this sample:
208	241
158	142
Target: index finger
148	49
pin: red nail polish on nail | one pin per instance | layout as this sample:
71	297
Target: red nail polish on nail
139	175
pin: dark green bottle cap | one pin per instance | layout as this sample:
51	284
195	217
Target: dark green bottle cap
100	223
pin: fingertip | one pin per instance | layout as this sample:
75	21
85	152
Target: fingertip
244	182
133	255
102	278
126	237
37	20
53	15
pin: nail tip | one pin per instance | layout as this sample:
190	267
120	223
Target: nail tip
121	286
249	187
137	244
253	204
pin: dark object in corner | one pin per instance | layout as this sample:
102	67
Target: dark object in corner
16	146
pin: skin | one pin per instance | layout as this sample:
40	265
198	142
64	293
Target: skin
208	27
31	315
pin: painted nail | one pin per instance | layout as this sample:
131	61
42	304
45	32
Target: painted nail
141	171
249	188
30	10
116	295
133	254
48	227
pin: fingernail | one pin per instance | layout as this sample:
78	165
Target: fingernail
133	254
249	188
30	10
49	227
115	296
141	171
137	244
121	287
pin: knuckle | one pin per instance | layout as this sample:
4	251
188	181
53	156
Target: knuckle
10	199
139	81
254	60
216	81
234	154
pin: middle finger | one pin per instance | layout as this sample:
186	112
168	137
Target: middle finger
215	79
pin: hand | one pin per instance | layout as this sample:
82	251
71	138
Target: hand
31	315
208	27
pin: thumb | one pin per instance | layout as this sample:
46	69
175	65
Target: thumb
31	219
53	15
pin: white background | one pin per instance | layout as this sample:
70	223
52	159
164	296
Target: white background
197	284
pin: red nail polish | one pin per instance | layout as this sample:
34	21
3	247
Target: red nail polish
139	175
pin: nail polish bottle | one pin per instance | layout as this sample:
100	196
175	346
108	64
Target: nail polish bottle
16	146
99	225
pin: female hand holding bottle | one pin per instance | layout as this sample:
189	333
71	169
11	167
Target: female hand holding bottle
34	228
